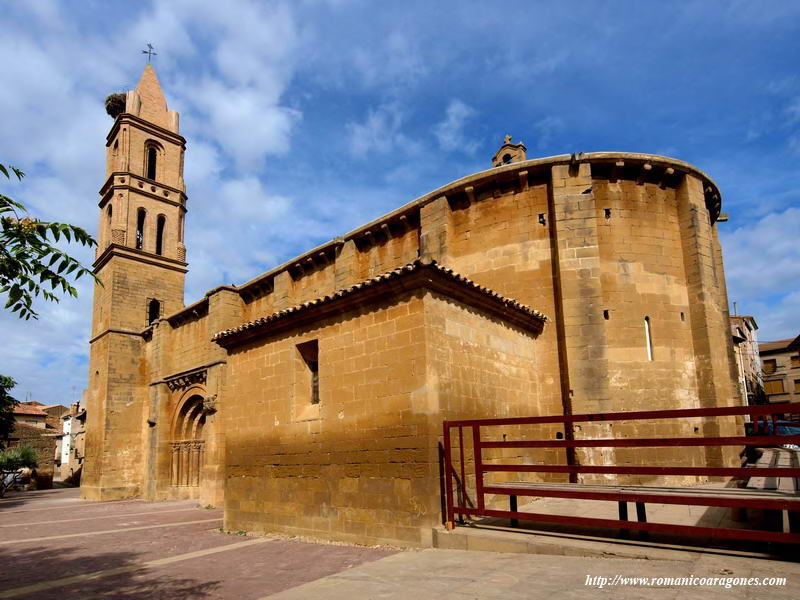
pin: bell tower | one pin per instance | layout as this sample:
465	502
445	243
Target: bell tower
141	262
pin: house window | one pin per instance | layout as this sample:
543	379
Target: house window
152	155
160	222
309	352
796	362
648	338
140	215
774	387
797	386
770	366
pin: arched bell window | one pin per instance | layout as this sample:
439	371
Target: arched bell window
152	158
140	217
160	224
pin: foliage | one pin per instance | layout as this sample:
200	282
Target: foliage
12	461
28	260
7	404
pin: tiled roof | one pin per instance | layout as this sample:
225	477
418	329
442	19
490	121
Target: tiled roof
415	266
27	409
778	345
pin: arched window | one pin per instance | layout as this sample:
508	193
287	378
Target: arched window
160	223
153	311
152	155
506	159
140	215
115	149
648	338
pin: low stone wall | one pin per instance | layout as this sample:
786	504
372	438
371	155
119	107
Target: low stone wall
44	445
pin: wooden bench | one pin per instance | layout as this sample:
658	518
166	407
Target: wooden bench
778	499
777	457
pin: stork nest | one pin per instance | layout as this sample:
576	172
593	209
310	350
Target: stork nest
115	104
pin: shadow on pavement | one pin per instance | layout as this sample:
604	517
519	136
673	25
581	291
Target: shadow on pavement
50	565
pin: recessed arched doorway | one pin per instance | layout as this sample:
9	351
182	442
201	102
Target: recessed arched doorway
188	445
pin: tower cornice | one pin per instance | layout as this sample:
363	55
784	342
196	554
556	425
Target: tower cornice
125	180
117	250
162	132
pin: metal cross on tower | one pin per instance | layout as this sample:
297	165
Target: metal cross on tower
150	52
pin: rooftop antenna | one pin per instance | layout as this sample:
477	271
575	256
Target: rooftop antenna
150	52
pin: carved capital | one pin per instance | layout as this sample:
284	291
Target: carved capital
210	404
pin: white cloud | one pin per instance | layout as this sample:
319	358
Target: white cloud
450	131
381	132
546	128
395	62
245	126
762	261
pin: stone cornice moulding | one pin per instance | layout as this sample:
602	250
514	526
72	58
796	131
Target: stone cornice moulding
140	256
147	126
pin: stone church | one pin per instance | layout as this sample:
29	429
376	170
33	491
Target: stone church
310	399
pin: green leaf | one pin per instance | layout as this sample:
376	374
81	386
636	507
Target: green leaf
14	295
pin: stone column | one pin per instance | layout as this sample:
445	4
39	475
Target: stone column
176	464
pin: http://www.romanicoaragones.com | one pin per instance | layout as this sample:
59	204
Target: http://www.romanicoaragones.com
599	581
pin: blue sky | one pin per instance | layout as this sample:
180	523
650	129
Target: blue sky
305	119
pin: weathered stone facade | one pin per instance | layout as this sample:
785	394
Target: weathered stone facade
317	406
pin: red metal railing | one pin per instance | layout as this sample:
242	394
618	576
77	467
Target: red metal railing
460	503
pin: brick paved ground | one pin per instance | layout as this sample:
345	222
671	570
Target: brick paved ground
53	545
142	549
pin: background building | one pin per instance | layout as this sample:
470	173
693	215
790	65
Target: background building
748	361
781	363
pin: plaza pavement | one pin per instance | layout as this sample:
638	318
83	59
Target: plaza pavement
53	545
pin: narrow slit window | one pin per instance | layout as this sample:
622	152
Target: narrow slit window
153	311
160	223
140	216
152	156
309	351
648	338
109	215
